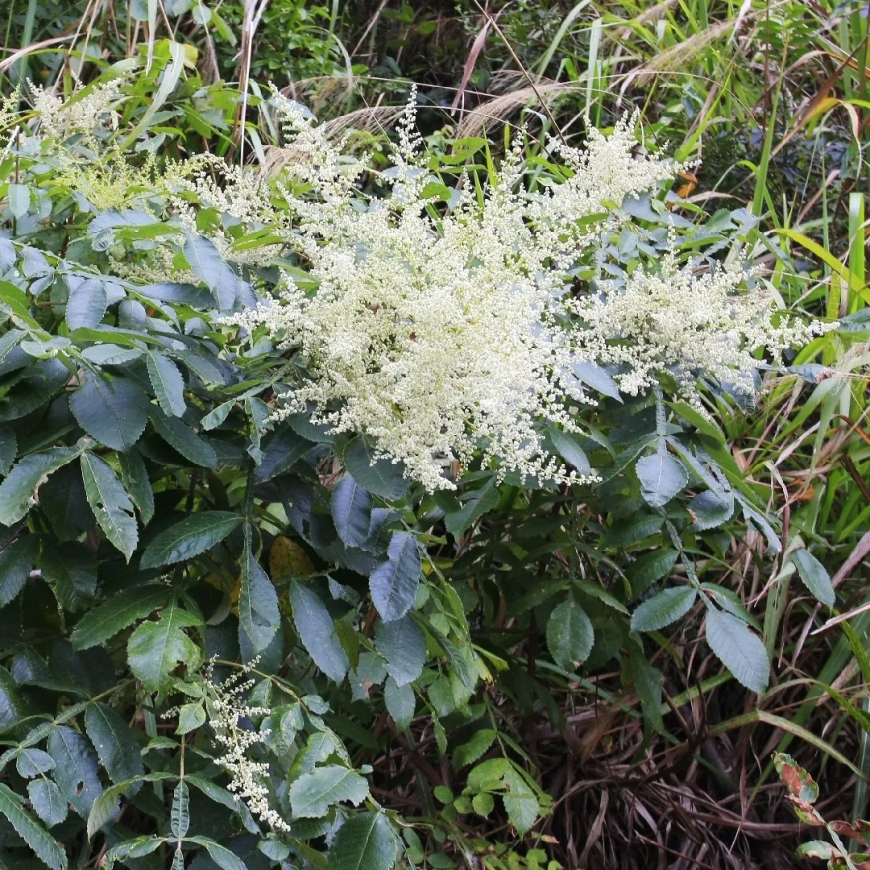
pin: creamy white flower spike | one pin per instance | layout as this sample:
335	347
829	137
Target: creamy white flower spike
249	779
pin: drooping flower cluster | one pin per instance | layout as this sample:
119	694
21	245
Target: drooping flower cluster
249	779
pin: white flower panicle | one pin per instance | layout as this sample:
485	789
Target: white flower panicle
682	324
81	113
249	779
442	337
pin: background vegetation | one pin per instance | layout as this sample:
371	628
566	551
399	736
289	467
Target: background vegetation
502	753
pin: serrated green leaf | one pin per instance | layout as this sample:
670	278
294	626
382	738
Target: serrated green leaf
661	477
479	503
314	793
663	608
741	651
364	842
648	685
317	632
814	576
114	412
168	384
380	477
116	746
44	846
180	437
259	615
474	749
207	265
155	649
19	488
190	717
709	510
16	562
12	706
189	537
393	583
8	450
649	568
87	304
567	447
110	504
32	762
520	802
118	613
403	644
401	702
134	474
483	803
570	635
19	199
71	568
351	511
76	773
47	801
179	814
223	857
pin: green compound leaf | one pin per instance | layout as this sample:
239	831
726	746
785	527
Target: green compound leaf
403	644
663	608
168	384
394	583
351	511
189	537
661	477
110	504
37	838
19	488
364	842
114	412
155	649
741	651
569	635
118	613
815	576
314	793
317	632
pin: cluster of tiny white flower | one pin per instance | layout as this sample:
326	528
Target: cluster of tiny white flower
442	336
82	113
227	708
687	325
